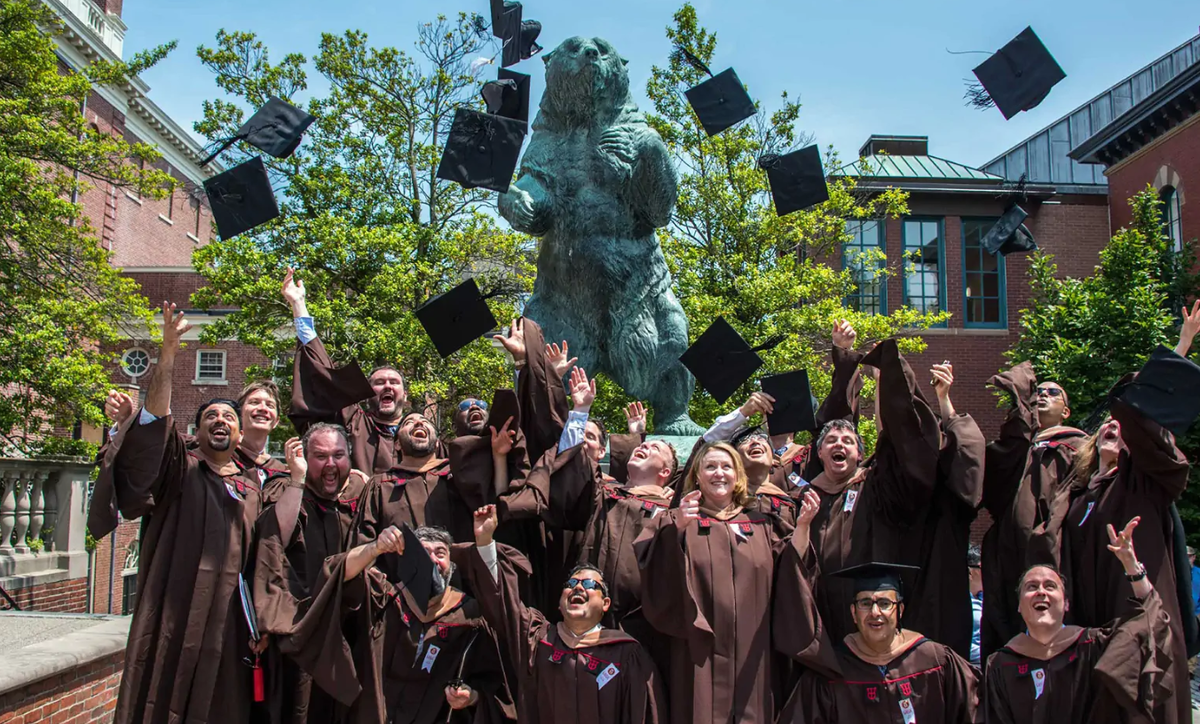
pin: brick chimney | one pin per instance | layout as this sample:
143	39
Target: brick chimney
896	145
109	6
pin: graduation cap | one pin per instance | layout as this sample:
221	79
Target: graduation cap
1017	77
876	576
415	570
797	179
275	129
719	102
455	319
1165	390
794	410
508	95
518	36
722	361
482	150
241	198
1009	235
504	406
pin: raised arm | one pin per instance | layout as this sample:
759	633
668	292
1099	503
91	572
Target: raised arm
1006	456
158	397
963	447
493	577
842	401
540	391
797	630
1157	463
668	600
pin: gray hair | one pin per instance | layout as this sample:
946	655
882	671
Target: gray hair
839	425
434	534
974	556
321	427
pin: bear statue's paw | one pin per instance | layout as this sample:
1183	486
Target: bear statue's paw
681	425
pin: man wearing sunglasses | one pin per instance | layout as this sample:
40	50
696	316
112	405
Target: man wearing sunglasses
576	670
1025	468
470	418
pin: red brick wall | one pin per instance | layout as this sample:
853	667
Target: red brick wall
68	596
126	533
81	695
1180	151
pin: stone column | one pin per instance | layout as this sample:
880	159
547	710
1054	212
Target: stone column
37	503
8	507
50	495
21	483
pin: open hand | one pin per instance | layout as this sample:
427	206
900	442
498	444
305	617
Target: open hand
515	341
485	523
583	390
758	402
389	540
503	439
557	357
118	407
174	326
690	505
635	417
293	289
460	697
844	335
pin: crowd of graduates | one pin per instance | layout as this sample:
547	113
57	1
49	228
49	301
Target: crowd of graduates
384	573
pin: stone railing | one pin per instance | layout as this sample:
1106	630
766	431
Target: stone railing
43	500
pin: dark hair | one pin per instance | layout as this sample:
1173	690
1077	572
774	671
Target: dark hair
320	427
839	425
1049	566
674	458
587	567
599	426
388	367
974	556
237	409
267	386
434	534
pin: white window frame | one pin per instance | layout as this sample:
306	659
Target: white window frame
224	380
125	370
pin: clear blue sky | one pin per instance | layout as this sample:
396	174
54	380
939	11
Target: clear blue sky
858	66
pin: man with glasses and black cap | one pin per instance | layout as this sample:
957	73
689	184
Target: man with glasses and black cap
576	670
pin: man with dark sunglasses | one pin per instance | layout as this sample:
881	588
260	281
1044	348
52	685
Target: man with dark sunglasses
576	670
470	418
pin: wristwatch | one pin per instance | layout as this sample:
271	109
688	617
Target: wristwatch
1135	577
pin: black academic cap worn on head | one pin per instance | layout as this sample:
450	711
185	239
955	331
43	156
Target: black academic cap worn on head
455	319
508	96
794	409
482	150
876	576
1019	75
241	198
1166	390
276	128
1009	235
720	102
797	179
721	360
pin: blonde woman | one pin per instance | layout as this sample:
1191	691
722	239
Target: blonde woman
707	571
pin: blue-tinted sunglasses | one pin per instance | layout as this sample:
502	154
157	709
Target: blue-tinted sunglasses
589	584
469	403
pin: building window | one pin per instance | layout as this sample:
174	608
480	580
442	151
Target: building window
863	255
210	365
171	204
129	580
1172	221
135	362
924	275
984	303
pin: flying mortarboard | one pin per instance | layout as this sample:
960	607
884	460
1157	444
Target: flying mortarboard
1017	77
797	179
517	35
275	129
504	406
482	150
1009	235
1166	390
241	198
455	319
719	102
793	406
722	361
508	96
876	576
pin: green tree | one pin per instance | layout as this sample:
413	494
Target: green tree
61	301
371	230
729	253
1086	333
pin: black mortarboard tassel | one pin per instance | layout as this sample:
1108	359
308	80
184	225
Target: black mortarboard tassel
482	150
455	319
276	129
1009	234
508	96
1166	390
797	179
722	361
241	198
1017	77
719	102
793	408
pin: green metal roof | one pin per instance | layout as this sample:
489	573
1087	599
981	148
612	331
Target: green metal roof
926	168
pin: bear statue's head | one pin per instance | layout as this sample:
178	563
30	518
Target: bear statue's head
586	82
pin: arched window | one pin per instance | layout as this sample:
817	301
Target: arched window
1172	223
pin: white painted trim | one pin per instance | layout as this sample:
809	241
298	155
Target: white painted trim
131	197
163	218
158	269
223	379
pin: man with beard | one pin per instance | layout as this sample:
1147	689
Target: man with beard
302	562
441	661
576	670
322	392
471	417
188	637
1025	470
877	673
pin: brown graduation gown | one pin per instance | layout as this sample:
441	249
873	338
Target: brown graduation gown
1150	475
322	392
1022	477
556	681
882	511
1111	674
926	678
840	404
188	636
709	589
301	607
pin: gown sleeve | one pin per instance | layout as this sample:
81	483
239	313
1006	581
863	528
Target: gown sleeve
962	460
149	468
961	692
1136	666
517	626
541	394
796	627
1008	455
668	597
321	390
1156	462
996	707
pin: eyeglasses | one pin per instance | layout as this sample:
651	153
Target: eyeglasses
469	403
885	604
1050	391
589	584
